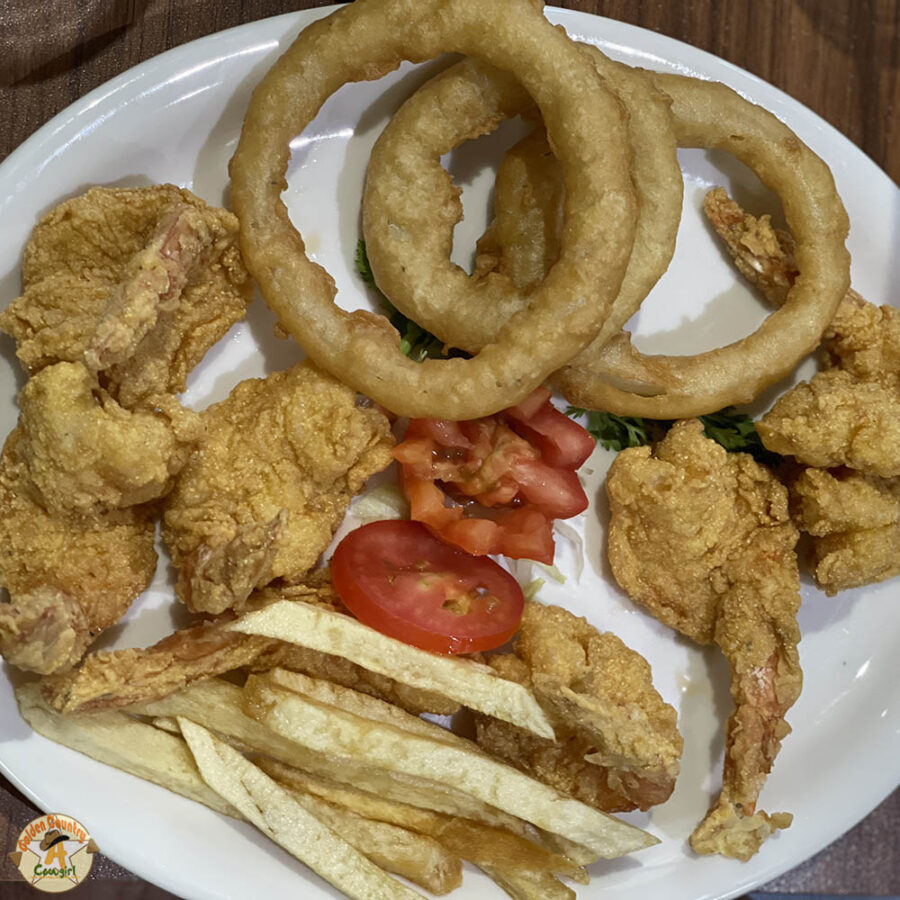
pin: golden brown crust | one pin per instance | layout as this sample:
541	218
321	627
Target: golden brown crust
69	576
703	539
85	453
270	482
837	420
617	744
155	269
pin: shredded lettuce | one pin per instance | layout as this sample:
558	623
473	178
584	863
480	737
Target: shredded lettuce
383	502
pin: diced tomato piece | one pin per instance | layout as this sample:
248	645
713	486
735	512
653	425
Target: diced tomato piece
494	485
562	441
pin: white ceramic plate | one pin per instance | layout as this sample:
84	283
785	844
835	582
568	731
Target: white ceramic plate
176	118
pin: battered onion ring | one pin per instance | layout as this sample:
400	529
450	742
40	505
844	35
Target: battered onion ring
712	116
411	206
363	41
617	378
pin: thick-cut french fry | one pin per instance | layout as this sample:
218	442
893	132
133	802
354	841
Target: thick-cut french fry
473	841
421	859
217	705
275	812
466	681
118	740
334	731
528	885
399	850
363	705
341	671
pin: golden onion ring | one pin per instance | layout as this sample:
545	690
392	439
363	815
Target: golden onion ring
363	41
621	380
411	206
611	374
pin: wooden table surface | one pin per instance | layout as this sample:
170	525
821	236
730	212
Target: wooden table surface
839	57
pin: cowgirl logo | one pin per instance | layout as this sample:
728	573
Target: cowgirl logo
54	853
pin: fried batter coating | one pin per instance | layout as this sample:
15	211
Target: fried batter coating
69	577
846	416
855	523
703	539
617	743
837	420
109	679
141	281
863	339
271	481
86	454
763	254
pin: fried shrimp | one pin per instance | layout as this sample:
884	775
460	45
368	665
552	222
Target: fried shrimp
269	484
837	420
855	523
69	577
702	538
139	282
863	339
617	745
842	423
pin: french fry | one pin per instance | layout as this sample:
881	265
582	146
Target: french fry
522	884
118	740
333	731
218	706
341	671
421	859
473	841
280	817
463	680
363	705
396	849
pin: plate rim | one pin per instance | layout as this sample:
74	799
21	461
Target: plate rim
156	68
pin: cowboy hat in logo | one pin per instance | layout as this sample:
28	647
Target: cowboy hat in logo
54	853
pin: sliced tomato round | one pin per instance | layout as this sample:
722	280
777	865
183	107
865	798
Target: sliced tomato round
402	581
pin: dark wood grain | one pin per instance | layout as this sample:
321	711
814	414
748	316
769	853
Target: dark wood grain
839	57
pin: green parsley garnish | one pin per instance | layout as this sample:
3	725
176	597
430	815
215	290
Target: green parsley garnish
363	266
415	341
735	431
613	432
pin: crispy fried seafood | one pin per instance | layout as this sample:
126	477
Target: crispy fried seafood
139	282
108	679
855	523
846	417
703	539
269	484
125	290
837	420
85	453
69	576
862	339
617	746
